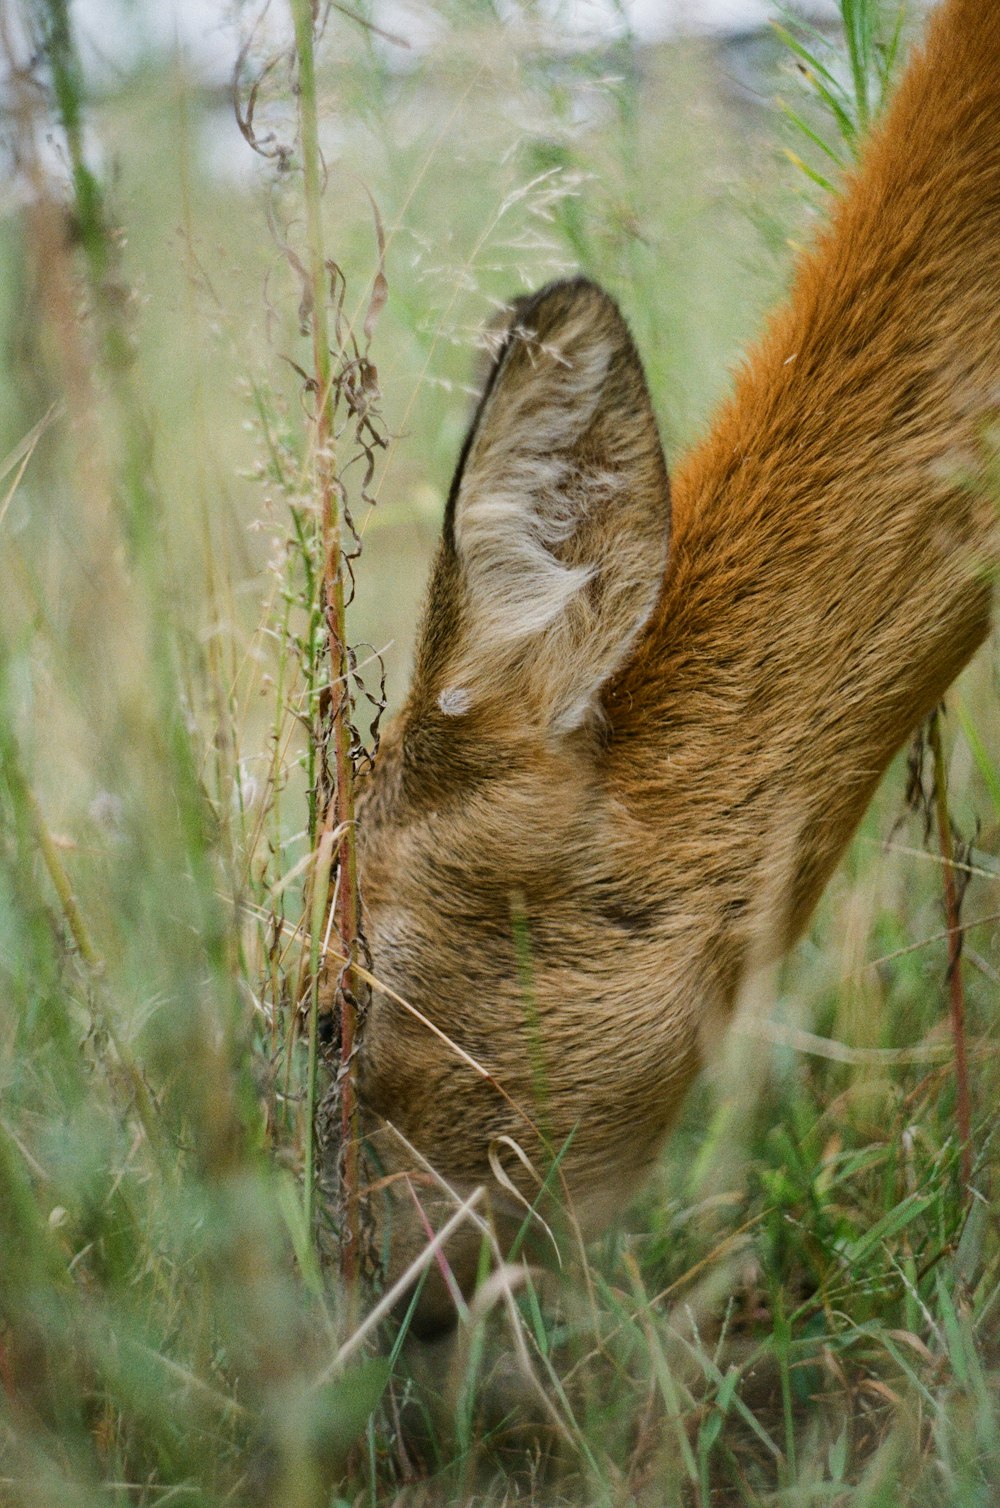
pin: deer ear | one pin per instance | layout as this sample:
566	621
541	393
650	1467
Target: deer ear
557	526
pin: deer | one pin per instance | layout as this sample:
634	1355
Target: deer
647	714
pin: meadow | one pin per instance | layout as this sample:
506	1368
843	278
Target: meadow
804	1308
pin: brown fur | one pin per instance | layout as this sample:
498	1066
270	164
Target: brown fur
654	757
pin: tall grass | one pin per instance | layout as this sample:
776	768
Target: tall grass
804	1308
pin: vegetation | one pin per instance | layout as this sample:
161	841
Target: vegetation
805	1308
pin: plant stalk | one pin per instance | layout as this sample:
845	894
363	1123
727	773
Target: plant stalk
956	988
340	815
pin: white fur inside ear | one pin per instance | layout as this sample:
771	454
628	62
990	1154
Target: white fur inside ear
518	584
454	702
523	496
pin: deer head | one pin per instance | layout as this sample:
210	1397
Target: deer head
631	756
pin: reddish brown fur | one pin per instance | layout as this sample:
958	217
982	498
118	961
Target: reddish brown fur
660	788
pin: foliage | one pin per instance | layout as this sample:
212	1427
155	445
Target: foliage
805	1307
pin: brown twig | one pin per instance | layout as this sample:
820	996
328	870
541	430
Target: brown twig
340	812
956	988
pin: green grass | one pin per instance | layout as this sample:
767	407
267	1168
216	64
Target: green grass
801	1309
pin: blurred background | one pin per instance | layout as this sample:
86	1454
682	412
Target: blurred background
503	146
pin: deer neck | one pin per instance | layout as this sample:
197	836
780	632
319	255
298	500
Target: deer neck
835	535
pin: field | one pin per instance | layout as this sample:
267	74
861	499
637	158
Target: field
805	1307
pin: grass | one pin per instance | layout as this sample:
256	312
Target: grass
805	1307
